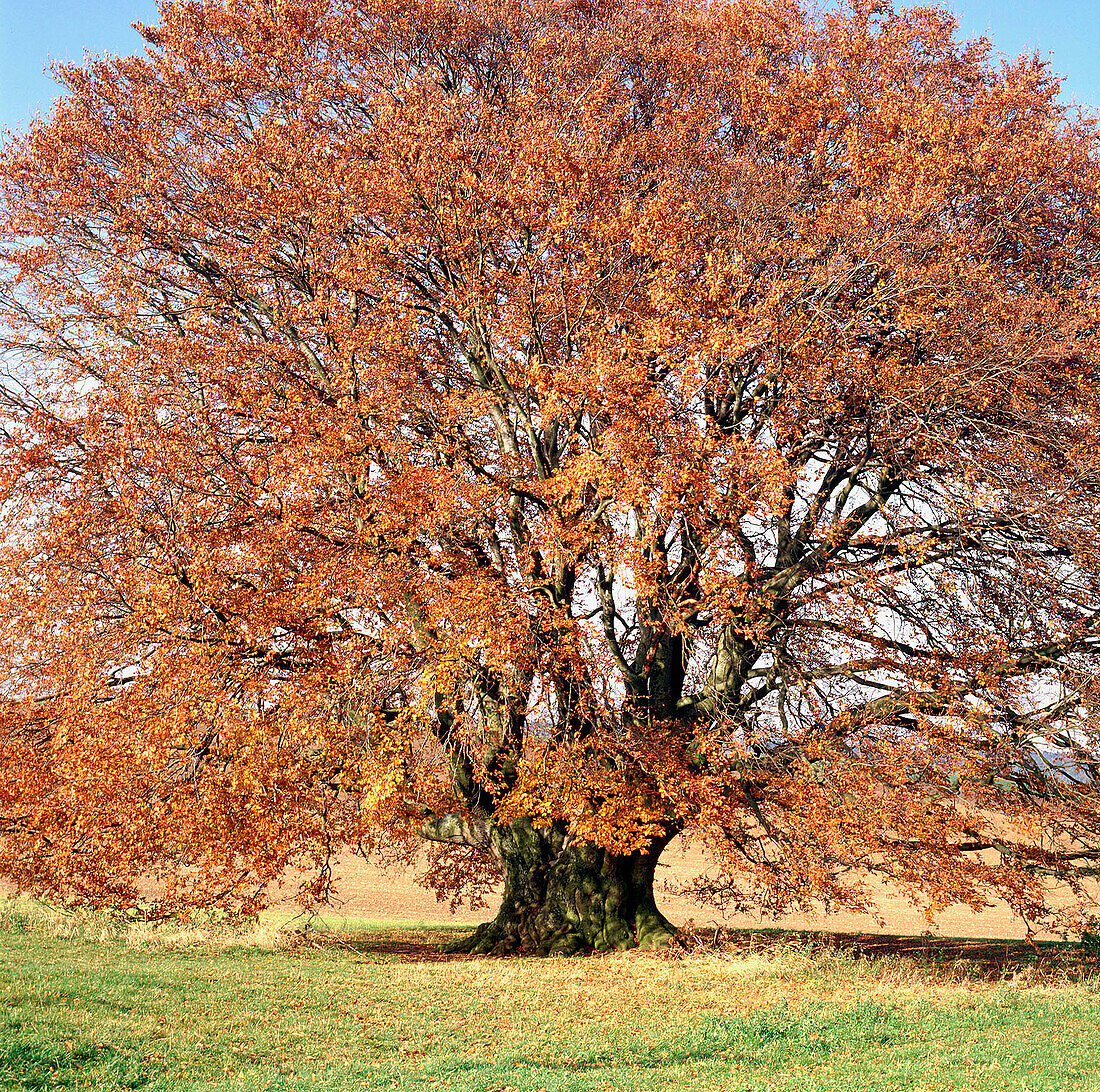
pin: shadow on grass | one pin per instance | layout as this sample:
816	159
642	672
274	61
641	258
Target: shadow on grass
985	958
988	957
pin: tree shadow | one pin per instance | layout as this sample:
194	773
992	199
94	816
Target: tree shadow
988	958
984	958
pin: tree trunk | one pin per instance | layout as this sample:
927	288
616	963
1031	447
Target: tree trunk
563	897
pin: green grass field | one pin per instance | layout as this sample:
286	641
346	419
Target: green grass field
379	1008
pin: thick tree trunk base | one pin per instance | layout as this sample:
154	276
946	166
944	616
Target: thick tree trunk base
564	898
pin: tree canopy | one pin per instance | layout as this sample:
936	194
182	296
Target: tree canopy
545	428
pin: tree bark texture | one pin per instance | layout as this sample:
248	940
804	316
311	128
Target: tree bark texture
563	897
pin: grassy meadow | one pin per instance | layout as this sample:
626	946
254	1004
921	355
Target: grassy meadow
87	1006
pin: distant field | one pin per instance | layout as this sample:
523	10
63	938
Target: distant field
383	1009
366	890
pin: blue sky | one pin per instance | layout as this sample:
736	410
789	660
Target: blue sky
33	32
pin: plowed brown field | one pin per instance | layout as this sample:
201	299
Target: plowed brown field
367	890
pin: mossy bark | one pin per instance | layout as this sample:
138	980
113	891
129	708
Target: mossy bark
563	896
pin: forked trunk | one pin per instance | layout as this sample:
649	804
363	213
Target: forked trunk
562	897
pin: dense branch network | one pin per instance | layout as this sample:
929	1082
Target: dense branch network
540	426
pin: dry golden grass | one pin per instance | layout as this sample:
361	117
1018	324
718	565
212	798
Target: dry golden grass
226	1010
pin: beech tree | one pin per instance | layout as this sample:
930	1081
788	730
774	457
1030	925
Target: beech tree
544	429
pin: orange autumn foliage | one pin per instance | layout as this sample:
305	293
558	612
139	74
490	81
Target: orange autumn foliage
427	418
